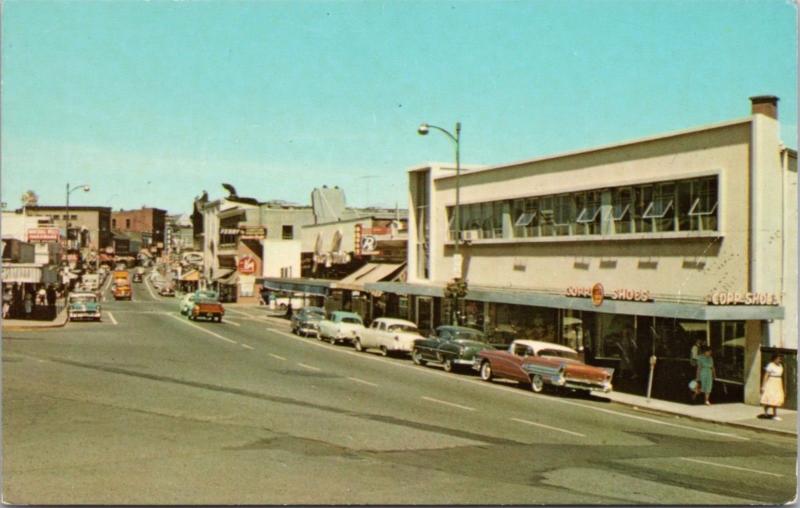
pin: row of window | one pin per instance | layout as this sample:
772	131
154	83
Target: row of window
681	205
231	235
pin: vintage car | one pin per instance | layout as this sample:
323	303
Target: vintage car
451	346
187	302
389	335
137	277
83	306
166	291
542	363
208	309
306	320
121	290
340	326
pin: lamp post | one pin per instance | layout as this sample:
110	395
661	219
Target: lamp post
70	190
458	287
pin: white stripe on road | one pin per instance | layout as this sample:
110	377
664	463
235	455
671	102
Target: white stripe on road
526	422
201	328
277	357
111	317
459	406
731	467
147	284
522	393
246	346
228	321
309	367
361	381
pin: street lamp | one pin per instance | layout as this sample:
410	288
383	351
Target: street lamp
457	288
85	188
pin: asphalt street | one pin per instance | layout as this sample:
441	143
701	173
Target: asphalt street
148	407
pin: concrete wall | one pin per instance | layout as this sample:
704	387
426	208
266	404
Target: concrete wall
682	266
280	254
275	218
787	334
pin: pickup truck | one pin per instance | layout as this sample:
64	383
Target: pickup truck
208	309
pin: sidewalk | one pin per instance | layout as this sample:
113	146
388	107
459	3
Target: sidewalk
31	324
737	414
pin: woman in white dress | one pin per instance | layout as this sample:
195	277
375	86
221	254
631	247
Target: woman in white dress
772	391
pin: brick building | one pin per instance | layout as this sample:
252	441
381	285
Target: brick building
150	222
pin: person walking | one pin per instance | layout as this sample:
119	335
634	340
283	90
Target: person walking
772	387
706	372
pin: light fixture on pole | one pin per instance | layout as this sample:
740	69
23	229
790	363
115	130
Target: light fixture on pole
70	190
458	287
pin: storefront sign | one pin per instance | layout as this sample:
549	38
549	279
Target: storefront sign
597	293
737	298
252	233
247	265
44	235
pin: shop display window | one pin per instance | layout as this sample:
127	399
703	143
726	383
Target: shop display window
572	329
674	338
727	348
509	322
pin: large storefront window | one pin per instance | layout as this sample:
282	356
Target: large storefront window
508	322
727	348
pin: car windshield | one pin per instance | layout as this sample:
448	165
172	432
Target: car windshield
403	328
470	335
559	353
82	299
353	320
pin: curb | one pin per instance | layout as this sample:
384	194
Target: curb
38	327
707	420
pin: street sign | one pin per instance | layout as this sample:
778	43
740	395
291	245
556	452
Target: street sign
247	265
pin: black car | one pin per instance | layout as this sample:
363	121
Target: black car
137	277
451	346
306	320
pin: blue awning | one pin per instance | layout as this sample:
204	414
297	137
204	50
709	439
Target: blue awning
320	288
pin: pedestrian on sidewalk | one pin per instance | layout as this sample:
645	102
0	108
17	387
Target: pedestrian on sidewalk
772	387
28	305
6	308
698	345
706	372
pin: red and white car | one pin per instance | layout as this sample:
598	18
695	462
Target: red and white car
542	363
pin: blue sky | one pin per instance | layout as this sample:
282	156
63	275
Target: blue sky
152	102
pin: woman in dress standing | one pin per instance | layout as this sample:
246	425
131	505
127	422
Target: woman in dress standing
772	390
706	372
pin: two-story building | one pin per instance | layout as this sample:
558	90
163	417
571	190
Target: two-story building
626	252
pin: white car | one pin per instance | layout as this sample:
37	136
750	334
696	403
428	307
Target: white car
340	326
389	335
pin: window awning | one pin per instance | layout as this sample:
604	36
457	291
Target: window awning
371	272
308	286
191	276
223	275
540	299
22	273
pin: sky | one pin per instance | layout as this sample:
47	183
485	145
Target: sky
150	103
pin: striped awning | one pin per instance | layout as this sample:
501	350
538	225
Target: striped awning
23	273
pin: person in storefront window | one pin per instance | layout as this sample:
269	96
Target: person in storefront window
706	373
627	349
772	387
698	345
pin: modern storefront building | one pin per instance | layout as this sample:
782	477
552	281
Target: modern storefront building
624	252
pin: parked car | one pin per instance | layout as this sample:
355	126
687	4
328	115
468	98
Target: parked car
451	346
83	306
389	335
137	277
542	363
187	302
166	291
340	326
306	320
208	309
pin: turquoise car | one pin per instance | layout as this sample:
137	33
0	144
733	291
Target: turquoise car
83	306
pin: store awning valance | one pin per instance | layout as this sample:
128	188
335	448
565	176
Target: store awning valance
227	277
697	311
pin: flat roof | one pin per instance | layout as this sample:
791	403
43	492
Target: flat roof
583	151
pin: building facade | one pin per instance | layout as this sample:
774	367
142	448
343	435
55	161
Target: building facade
149	222
629	253
90	226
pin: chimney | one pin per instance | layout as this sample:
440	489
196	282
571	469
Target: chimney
765	105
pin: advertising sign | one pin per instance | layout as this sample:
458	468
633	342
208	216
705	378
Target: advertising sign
44	235
252	233
247	265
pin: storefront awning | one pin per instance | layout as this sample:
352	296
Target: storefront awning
658	309
191	276
371	272
25	273
308	286
229	279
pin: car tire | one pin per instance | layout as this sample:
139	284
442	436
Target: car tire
357	345
332	340
448	365
416	357
384	351
486	371
320	337
537	383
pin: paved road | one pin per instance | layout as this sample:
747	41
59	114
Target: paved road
149	408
